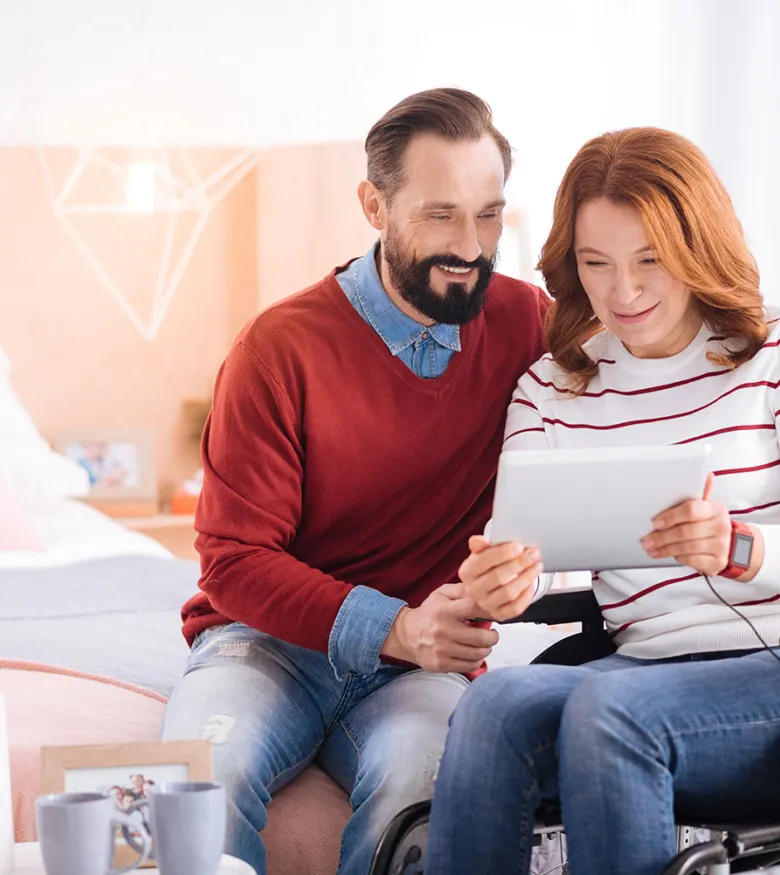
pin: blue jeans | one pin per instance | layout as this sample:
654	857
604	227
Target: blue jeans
623	743
271	708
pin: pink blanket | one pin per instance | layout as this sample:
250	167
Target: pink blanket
48	705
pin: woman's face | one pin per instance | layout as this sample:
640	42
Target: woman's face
653	314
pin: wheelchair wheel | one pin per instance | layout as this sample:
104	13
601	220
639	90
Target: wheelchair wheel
408	857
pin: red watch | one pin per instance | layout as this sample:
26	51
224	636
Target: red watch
740	551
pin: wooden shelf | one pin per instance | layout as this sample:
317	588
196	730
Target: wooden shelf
159	521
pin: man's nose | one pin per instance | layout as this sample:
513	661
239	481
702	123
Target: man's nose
465	244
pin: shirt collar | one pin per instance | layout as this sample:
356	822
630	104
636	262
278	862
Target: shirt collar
395	328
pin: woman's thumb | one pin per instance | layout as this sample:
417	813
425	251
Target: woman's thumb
478	543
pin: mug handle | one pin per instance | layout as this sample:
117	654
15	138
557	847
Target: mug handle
124	822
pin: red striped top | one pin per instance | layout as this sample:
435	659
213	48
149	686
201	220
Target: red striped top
654	613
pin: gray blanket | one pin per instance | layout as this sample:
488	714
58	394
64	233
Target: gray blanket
118	617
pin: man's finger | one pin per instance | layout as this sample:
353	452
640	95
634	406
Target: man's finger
474	636
464	608
452	590
468	653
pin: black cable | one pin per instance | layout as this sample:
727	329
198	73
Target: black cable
741	616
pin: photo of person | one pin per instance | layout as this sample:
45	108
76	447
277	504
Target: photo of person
125	785
109	464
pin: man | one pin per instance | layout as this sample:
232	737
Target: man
350	453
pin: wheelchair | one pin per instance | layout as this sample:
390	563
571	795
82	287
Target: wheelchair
714	849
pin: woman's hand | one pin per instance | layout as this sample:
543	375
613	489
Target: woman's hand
500	579
696	533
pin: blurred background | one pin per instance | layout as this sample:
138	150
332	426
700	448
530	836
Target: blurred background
168	168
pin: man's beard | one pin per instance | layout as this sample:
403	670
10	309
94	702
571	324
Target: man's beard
412	278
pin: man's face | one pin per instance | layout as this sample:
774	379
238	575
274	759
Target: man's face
442	227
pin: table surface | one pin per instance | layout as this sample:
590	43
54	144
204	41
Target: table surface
27	861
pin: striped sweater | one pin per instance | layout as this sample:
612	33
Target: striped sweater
655	613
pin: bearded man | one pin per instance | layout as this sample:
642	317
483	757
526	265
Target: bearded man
350	453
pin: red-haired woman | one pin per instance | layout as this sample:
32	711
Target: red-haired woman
658	335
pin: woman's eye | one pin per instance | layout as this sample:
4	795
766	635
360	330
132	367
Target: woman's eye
595	263
649	261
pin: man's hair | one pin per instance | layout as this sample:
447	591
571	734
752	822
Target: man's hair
449	113
690	222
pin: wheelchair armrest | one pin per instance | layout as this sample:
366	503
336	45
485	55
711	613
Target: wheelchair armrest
575	605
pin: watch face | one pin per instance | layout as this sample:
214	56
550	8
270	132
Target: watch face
743	547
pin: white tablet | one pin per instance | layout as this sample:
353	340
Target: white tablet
586	510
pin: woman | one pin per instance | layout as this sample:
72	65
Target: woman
657	335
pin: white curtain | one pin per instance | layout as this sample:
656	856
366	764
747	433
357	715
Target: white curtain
709	69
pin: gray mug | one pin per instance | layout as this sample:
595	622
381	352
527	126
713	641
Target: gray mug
76	833
187	820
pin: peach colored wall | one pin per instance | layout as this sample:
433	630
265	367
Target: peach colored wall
309	216
78	363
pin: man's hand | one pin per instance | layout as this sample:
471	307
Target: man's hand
437	636
501	579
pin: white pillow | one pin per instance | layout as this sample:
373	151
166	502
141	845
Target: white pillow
36	474
16	424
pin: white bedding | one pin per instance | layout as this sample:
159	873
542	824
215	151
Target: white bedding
74	532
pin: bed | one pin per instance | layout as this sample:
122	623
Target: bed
113	609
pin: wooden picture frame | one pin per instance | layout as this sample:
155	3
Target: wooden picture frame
120	464
111	767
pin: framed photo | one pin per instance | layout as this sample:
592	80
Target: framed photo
120	464
126	772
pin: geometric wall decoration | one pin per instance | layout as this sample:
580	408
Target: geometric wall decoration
157	184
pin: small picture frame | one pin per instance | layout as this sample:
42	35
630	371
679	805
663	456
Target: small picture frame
120	464
125	771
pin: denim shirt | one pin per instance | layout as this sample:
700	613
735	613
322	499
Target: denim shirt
426	350
366	615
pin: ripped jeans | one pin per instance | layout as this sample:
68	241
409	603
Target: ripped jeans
271	708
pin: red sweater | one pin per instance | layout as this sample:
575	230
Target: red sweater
328	463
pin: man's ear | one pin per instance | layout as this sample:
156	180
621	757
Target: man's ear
373	204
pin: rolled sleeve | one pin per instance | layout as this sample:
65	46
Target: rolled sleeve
361	626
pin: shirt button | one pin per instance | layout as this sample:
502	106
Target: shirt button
425	335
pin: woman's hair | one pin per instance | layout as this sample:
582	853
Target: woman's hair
449	113
691	224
